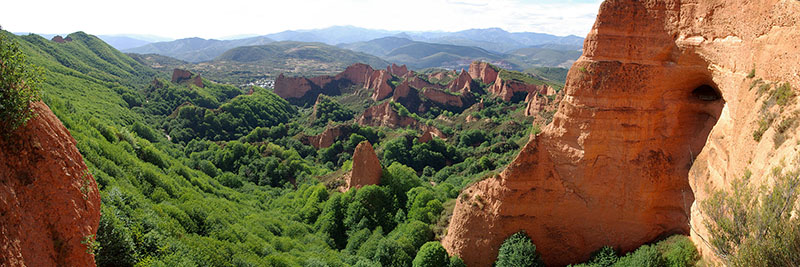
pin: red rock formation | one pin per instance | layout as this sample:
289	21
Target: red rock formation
443	98
379	82
483	71
59	39
536	103
299	87
327	137
407	96
506	89
616	165
425	137
398	71
179	75
357	73
48	200
366	167
385	115
463	83
418	83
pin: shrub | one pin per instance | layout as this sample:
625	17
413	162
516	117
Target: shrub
19	86
751	229
518	251
431	254
644	256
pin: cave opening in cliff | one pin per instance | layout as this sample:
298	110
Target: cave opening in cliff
706	92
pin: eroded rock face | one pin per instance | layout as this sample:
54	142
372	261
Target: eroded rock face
398	71
179	75
385	115
357	73
463	83
483	71
379	82
366	167
48	200
407	96
633	148
443	98
506	89
327	137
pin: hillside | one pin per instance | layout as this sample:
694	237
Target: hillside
499	40
207	174
196	49
543	57
249	63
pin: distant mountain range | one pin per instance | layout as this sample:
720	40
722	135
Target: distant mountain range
197	49
418	50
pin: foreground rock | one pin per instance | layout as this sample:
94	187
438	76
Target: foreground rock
48	200
366	167
657	112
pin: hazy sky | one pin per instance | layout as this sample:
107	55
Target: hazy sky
222	18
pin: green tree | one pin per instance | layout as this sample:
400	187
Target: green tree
19	86
371	207
518	251
431	254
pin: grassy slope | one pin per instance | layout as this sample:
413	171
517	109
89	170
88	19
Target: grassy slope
165	212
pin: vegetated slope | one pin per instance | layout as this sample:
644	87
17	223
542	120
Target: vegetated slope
426	55
420	55
543	57
247	63
499	40
332	35
196	49
378	47
122	42
156	208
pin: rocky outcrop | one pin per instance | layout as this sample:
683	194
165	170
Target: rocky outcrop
399	71
418	83
379	83
657	112
366	167
536	103
301	90
444	98
358	73
507	89
407	96
483	71
462	83
179	76
48	199
385	115
327	137
61	40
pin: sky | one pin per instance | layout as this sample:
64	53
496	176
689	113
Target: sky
226	18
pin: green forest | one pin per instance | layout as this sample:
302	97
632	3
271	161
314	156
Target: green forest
218	175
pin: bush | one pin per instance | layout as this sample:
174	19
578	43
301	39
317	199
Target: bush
19	86
751	229
518	251
431	254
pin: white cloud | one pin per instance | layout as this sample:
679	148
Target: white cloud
213	19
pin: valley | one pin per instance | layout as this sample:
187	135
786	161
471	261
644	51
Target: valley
666	137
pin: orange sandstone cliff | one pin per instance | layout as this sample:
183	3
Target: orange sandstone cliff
48	200
656	113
